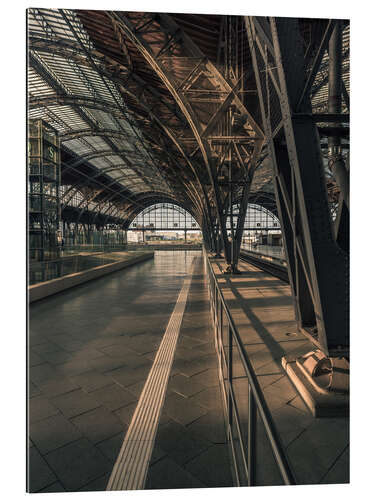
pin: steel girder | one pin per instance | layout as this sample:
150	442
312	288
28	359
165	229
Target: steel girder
202	69
318	268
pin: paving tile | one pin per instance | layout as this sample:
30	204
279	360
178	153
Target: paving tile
189	354
325	439
125	414
86	354
45	348
35	337
40	474
113	397
207	348
74	367
283	389
212	467
105	364
209	427
57	357
72	345
98	425
144	346
188	368
34	359
184	386
268	379
103	341
99	484
136	388
179	443
74	403
61	339
166	474
92	380
40	373
157	454
127	376
118	351
111	447
190	342
76	464
53	432
209	398
40	408
340	471
267	472
271	367
138	361
181	409
56	487
57	386
33	390
273	401
298	403
209	378
290	422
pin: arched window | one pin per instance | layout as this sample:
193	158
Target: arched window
262	232
257	217
164	216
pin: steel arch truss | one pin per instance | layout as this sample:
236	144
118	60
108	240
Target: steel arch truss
194	82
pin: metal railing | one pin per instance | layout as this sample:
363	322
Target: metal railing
228	342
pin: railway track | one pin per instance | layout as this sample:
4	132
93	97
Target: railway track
267	264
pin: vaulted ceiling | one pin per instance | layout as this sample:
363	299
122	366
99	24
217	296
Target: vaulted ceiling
141	103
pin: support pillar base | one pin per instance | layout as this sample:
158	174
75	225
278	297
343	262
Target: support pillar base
321	402
232	269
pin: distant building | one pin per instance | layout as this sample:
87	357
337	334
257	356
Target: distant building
135	237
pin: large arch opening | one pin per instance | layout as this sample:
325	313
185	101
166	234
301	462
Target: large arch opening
262	230
164	223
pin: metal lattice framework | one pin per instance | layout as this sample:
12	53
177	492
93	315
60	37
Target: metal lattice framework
193	110
316	249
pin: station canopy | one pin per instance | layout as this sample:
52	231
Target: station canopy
126	140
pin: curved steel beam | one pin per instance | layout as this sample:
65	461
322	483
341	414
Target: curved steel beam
89	132
123	24
62	48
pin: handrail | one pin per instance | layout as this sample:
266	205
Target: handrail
256	400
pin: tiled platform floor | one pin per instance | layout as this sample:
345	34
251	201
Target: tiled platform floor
91	349
261	307
190	447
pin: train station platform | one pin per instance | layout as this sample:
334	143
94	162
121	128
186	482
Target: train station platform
262	311
92	350
126	365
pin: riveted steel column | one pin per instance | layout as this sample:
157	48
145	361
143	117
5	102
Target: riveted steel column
318	267
336	162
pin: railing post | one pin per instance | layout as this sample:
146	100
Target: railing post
230	374
251	437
